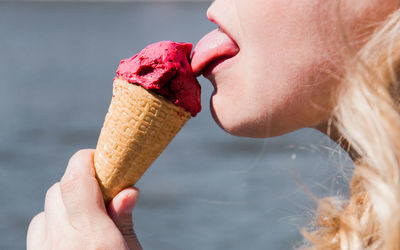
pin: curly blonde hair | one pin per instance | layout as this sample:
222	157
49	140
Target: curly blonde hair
367	116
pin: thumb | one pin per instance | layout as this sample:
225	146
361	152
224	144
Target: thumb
120	211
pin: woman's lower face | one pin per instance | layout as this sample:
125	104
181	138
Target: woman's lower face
283	73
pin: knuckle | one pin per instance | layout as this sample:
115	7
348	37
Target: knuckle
127	230
132	236
36	220
81	156
68	184
133	242
81	163
53	190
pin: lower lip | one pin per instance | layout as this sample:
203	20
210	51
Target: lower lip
216	66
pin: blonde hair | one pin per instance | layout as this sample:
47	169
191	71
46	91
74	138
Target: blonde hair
367	116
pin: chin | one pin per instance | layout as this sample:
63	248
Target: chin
240	124
250	129
244	123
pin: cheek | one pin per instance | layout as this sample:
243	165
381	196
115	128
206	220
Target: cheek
254	100
277	84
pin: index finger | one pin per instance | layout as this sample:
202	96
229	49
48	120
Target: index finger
80	164
80	191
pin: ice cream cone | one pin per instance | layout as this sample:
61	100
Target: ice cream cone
137	128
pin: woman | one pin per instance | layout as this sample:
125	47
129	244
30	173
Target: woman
278	66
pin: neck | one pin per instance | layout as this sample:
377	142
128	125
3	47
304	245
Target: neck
333	132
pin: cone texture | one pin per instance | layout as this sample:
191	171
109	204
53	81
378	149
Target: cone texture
137	128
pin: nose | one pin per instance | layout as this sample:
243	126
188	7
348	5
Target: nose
222	7
210	11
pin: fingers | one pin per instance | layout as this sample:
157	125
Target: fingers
80	191
75	216
81	163
36	232
120	210
54	207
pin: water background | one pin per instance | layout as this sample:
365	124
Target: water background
208	190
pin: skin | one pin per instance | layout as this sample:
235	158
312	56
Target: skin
75	217
284	78
286	71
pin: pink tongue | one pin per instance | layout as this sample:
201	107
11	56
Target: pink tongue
215	45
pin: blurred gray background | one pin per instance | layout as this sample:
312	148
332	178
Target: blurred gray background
208	190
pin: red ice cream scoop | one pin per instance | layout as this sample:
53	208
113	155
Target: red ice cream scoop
164	68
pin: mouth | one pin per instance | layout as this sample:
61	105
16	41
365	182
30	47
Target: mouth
213	50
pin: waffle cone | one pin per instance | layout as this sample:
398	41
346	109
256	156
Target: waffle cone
137	128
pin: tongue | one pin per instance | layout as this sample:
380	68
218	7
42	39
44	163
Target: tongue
213	46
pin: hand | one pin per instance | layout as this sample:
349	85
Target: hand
75	216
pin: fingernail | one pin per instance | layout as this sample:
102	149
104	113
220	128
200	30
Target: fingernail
129	203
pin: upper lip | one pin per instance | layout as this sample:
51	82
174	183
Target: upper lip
213	18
